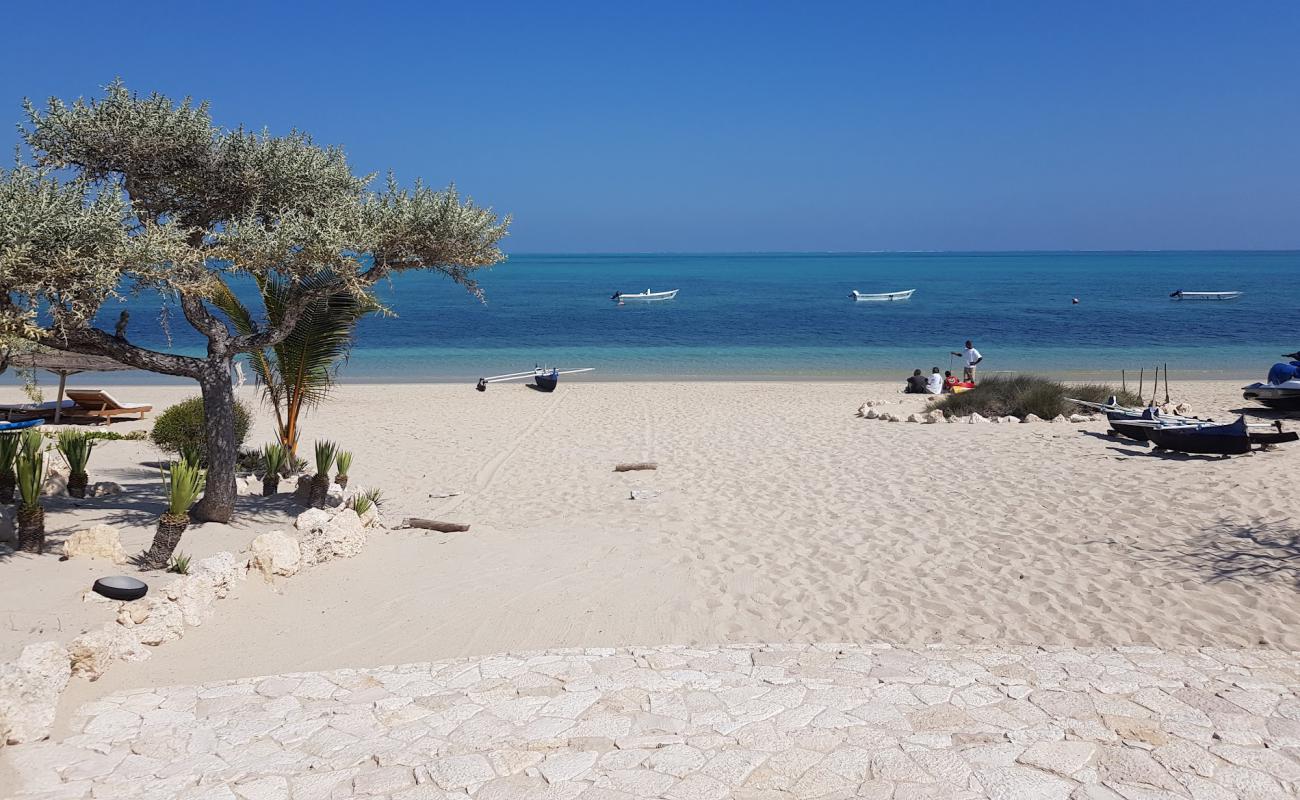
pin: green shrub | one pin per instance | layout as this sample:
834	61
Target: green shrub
1022	395
179	429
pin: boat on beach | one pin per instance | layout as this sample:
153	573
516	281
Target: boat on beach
545	379
1181	295
1281	390
642	297
882	296
1232	439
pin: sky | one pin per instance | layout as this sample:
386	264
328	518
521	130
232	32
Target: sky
748	126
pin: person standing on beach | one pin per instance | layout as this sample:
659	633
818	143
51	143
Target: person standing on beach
970	357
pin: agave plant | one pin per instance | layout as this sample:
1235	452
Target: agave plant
75	446
326	452
184	481
8	453
297	373
343	462
30	466
32	441
274	457
362	502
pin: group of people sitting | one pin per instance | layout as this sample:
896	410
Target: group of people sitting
936	383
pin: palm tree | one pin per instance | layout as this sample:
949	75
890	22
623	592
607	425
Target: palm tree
297	373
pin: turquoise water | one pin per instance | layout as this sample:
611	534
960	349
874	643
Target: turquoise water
790	316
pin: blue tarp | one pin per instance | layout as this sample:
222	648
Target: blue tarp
1281	373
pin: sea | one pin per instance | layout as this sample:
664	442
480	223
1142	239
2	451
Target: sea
790	316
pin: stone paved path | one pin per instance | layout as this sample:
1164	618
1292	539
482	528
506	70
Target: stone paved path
824	721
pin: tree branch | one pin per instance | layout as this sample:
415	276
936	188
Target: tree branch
205	322
92	341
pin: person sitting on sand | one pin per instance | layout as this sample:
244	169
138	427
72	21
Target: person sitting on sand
970	357
949	381
934	385
916	384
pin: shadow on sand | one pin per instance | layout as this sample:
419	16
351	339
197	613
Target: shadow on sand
1263	551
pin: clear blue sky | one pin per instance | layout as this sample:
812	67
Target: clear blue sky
610	126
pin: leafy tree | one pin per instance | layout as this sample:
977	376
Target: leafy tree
131	193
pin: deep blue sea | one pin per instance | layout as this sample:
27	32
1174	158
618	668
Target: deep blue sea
783	315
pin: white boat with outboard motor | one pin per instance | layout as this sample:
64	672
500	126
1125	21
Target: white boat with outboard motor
1281	390
884	297
1181	295
545	379
643	297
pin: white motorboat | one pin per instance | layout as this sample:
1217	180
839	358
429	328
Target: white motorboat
1181	295
883	296
641	297
1282	389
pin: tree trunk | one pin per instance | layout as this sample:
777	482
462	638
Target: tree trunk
31	529
218	503
165	539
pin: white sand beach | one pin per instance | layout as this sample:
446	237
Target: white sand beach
780	517
775	515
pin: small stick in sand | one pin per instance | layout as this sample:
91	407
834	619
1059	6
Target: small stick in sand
435	525
636	466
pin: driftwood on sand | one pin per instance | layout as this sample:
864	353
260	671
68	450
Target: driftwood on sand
639	465
435	525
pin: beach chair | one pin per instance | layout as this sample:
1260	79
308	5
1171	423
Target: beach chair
99	404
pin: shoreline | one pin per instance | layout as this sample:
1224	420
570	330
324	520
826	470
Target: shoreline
8	382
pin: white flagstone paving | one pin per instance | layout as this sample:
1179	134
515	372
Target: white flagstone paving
745	721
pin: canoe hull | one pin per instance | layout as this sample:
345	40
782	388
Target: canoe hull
546	382
1218	440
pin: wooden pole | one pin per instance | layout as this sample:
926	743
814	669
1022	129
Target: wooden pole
58	404
1166	381
1123	380
1142	374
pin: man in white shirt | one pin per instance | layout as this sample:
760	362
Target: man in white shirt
970	357
934	384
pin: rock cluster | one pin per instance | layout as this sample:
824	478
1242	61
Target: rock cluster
275	553
29	691
99	541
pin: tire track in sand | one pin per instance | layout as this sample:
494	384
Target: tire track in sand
487	474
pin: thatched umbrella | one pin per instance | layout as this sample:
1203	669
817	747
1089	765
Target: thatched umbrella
64	364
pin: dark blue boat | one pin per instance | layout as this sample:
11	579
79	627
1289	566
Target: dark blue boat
1232	439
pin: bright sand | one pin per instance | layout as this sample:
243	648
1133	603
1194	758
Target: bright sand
781	517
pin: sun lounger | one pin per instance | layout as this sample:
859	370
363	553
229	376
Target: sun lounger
21	411
100	404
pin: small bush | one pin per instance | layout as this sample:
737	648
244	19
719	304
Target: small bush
1022	395
179	429
116	436
180	564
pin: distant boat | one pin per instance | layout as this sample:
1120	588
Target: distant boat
1181	295
883	296
647	295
